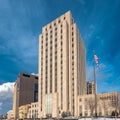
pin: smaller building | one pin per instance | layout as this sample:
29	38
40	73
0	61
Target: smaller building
25	91
10	115
106	104
90	87
33	110
23	111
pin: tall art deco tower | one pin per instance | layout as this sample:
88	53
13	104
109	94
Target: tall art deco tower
62	71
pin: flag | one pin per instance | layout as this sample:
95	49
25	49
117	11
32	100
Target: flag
96	58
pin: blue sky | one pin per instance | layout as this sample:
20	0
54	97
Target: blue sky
21	22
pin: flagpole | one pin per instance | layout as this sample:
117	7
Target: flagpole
95	91
95	94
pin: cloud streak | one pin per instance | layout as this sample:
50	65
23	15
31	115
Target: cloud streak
6	96
20	39
6	90
1	105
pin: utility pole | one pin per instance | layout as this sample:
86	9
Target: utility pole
95	94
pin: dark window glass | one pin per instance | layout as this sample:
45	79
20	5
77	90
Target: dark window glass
35	92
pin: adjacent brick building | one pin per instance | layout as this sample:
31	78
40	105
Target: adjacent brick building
25	91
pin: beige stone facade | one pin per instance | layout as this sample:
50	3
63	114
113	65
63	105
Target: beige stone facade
106	104
15	100
23	111
10	115
62	71
33	110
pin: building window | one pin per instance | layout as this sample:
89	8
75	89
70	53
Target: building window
85	107
55	39
72	34
72	21
56	81
72	39
72	45
49	104
61	42
58	21
55	29
51	48
54	24
55	45
56	34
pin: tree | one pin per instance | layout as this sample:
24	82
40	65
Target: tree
48	115
65	114
105	104
91	105
81	114
116	105
113	113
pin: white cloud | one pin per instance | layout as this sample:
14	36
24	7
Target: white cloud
22	40
34	74
6	90
6	96
17	28
1	105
